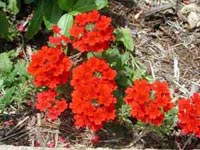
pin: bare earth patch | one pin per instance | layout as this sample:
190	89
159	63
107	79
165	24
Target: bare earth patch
165	43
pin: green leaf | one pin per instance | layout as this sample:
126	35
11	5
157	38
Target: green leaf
1	83
124	58
4	25
6	98
124	35
20	68
52	15
12	5
89	55
101	3
12	54
139	73
5	63
85	5
29	1
124	81
124	114
2	4
124	111
36	21
66	5
73	13
65	23
122	64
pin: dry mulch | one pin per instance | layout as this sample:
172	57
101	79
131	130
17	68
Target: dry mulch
163	44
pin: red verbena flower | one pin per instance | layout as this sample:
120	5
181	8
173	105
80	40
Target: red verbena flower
55	40
93	109
189	115
56	29
93	70
93	102
50	67
91	32
58	39
149	102
47	102
57	108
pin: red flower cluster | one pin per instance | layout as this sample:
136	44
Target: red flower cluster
58	39
189	115
91	32
92	100
93	71
46	101
50	67
149	102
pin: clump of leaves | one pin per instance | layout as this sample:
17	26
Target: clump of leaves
8	9
7	30
14	85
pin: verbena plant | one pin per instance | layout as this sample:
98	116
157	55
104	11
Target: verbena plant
106	82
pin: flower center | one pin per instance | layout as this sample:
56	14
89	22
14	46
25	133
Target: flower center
95	103
89	27
152	95
97	74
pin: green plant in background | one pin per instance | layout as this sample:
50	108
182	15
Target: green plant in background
45	11
7	30
4	25
59	12
14	85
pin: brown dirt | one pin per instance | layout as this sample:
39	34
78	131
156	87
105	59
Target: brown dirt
164	44
168	50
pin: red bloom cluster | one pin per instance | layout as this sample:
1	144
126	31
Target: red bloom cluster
47	102
149	102
91	32
58	39
92	100
93	71
50	67
189	115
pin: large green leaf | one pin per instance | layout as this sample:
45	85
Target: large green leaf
65	23
4	25
101	3
1	83
85	5
124	35
66	5
29	1
2	4
36	21
5	63
81	5
52	15
12	5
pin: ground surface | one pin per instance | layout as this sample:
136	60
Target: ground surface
164	43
